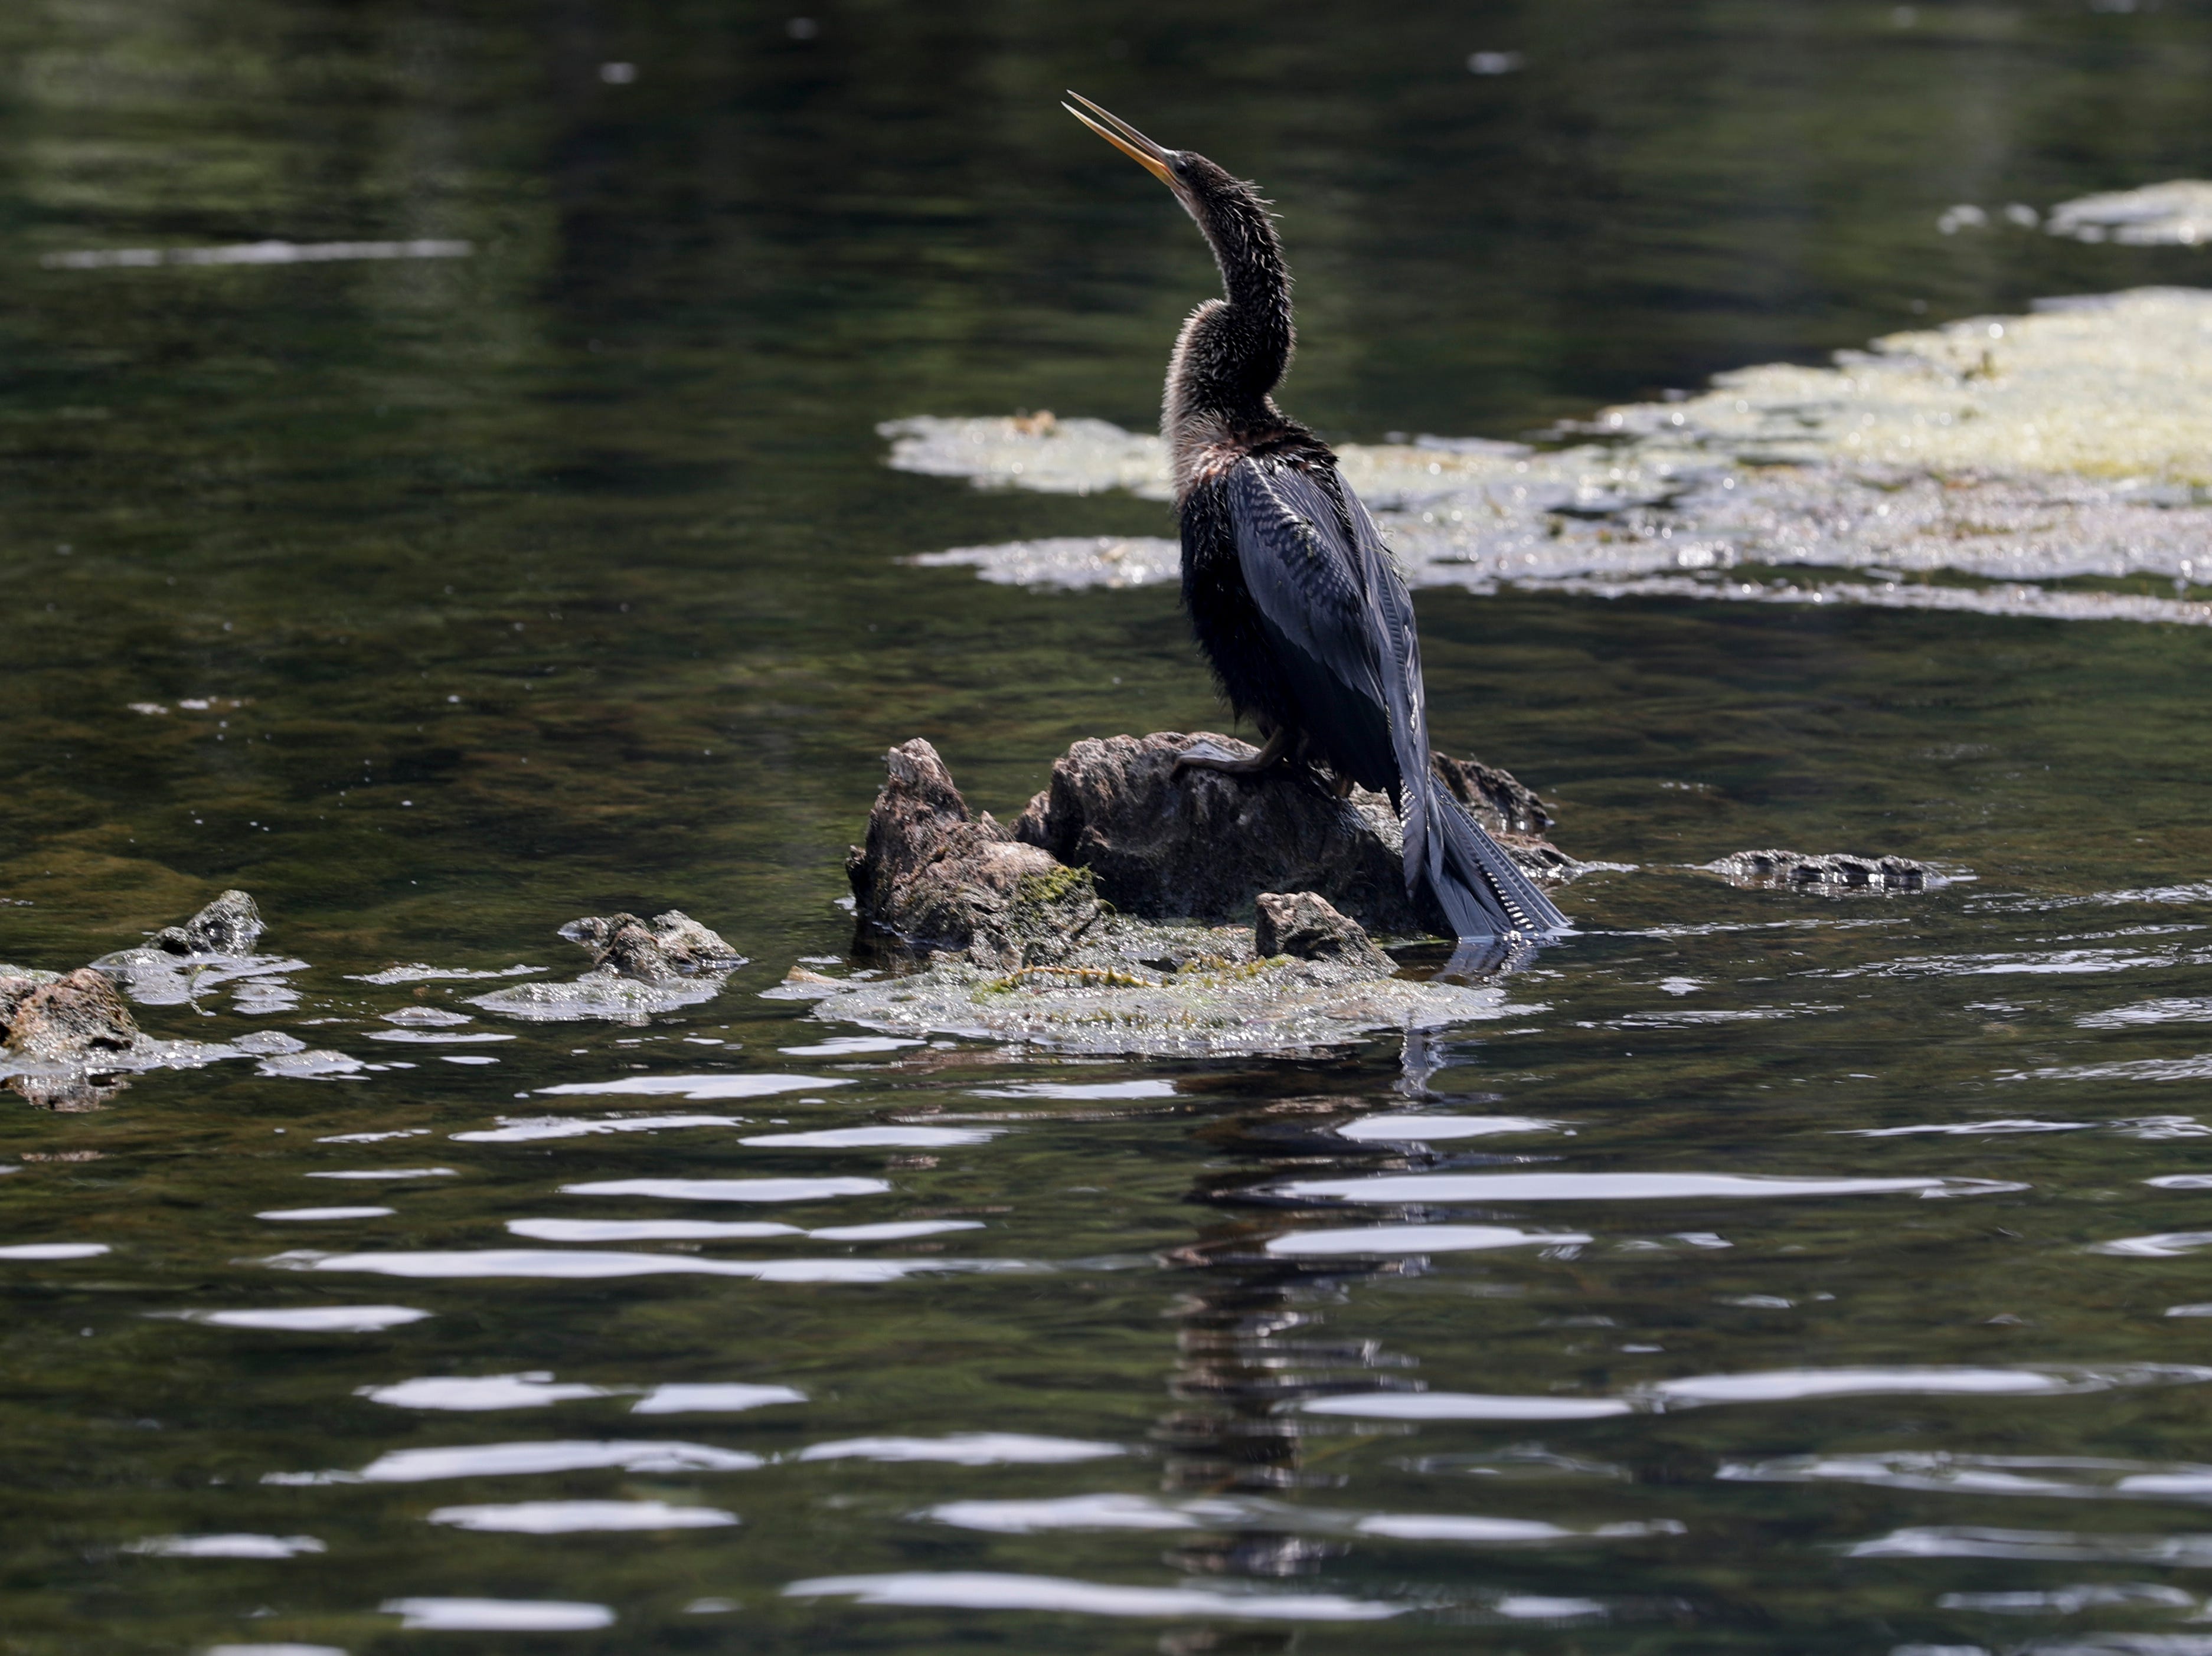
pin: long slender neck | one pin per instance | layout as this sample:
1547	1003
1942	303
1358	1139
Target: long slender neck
1233	350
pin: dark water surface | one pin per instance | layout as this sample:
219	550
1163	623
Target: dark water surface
1789	1289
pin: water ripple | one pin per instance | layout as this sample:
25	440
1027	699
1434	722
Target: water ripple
225	1546
965	1449
698	1088
533	1458
309	1320
981	1589
2070	1477
599	1265
581	1517
497	1614
536	1129
1406	1128
1383	1241
732	1189
1494	1187
2038	1546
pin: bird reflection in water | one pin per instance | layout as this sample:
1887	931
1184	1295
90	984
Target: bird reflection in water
1251	1341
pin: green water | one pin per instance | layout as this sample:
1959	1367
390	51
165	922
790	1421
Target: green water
562	578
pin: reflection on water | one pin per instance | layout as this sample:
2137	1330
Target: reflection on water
1812	1270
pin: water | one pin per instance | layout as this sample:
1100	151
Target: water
1796	1273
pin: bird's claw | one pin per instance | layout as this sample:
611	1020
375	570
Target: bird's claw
1212	756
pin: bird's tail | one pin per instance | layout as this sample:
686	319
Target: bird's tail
1481	890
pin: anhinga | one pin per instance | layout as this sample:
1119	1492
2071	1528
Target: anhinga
1295	599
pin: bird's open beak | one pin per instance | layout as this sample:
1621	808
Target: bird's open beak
1126	138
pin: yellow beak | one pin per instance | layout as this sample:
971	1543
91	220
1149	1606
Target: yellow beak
1126	138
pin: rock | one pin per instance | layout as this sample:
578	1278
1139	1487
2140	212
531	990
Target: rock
1835	870
669	946
934	876
15	983
181	964
65	1018
1205	846
229	927
69	1042
639	968
1014	943
1304	927
1500	801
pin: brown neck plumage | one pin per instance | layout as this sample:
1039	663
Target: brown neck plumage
1233	350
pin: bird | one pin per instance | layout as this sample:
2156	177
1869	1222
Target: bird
1295	601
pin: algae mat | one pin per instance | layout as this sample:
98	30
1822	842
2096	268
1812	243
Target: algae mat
1968	467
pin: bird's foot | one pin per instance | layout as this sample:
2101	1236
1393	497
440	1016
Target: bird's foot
1209	756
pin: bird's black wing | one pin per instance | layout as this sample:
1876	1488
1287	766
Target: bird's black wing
1322	579
1307	580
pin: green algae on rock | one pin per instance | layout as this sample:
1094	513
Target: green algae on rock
2071	444
1219	1004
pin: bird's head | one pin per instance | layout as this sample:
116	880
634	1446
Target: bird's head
1233	350
1228	209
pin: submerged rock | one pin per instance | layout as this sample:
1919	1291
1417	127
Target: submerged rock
1834	870
1221	1001
639	968
67	1041
227	928
1108	560
181	964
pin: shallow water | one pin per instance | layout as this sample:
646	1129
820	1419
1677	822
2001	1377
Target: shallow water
1792	1273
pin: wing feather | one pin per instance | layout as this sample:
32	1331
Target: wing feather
1315	589
1327	589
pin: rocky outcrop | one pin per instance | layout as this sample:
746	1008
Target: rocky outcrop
67	1041
934	876
1205	846
1835	870
1091	927
1119	832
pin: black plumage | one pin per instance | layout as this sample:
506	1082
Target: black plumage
1294	598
